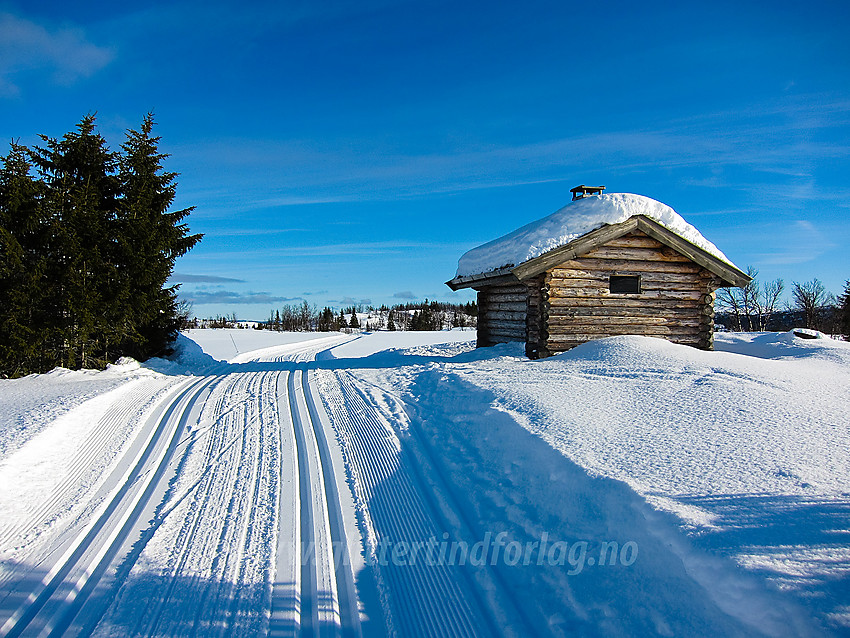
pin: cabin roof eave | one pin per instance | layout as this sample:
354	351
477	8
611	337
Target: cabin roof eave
491	278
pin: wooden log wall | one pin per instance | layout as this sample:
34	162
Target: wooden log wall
502	314
535	321
676	301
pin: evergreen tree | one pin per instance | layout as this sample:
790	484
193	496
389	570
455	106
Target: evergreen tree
844	311
353	322
23	233
326	320
86	249
391	322
151	238
81	201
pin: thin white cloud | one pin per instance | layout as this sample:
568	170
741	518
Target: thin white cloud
63	55
201	297
800	243
187	278
768	141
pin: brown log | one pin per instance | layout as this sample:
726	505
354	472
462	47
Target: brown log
634	241
608	311
637	254
603	323
661	295
565	275
516	306
500	297
587	335
503	315
647	285
622	302
637	266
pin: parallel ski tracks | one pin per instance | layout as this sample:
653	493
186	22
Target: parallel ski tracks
243	461
51	607
315	593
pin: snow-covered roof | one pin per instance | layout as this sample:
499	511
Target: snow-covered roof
577	218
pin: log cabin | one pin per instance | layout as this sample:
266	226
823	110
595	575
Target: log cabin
606	264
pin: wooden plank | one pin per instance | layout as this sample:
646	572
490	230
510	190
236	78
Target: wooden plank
671	313
670	295
646	284
622	302
636	266
633	240
561	275
560	324
637	254
513	286
501	297
505	315
514	307
506	336
615	331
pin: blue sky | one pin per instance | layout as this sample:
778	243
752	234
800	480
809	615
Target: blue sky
344	152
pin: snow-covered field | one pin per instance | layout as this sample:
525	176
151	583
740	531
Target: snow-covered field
409	484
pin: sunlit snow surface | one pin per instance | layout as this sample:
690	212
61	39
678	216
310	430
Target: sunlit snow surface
749	446
746	449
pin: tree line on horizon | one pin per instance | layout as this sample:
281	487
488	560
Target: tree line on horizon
759	307
425	315
87	244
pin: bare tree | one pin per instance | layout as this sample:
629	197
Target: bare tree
810	298
766	302
753	306
729	301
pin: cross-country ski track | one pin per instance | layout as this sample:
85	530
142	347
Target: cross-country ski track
223	514
288	492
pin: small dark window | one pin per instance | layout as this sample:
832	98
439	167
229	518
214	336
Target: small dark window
625	284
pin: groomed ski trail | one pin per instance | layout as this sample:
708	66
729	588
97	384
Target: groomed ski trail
243	543
53	603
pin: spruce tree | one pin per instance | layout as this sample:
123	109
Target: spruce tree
81	201
86	249
151	238
353	322
23	236
844	311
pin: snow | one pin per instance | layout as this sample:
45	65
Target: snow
724	473
747	447
370	344
577	218
226	343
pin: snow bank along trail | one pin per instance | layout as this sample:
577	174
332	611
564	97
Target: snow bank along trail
434	451
61	581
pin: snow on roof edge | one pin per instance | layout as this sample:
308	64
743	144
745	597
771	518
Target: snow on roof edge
574	220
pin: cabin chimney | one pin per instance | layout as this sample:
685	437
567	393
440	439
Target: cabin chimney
584	191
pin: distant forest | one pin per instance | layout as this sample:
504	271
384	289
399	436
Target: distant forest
425	315
87	244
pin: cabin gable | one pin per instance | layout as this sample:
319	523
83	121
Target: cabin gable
675	299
